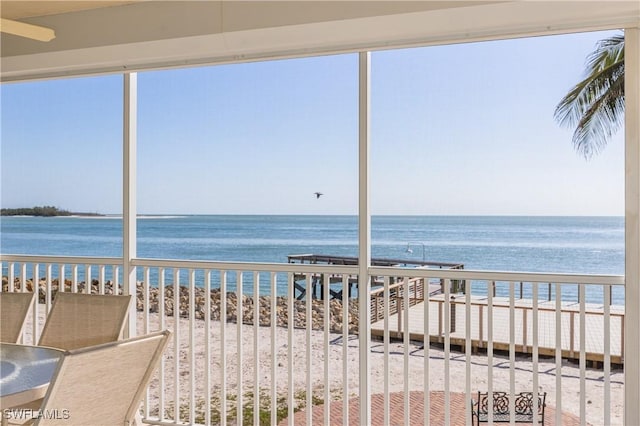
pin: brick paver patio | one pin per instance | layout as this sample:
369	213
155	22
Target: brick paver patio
416	408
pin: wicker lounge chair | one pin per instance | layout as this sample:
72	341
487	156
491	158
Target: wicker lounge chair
103	384
81	320
14	308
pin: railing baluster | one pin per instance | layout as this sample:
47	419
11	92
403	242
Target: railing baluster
101	279
116	279
36	290
12	277
207	346
74	278
386	337
606	363
223	347
23	277
145	299
467	350
176	344
161	310
427	351
87	279
534	331
326	295
512	352
274	360
490	345
405	337
256	349
61	278
572	334
558	354
192	341
145	324
583	388
309	326
290	320
447	349
47	294
345	350
239	342
525	330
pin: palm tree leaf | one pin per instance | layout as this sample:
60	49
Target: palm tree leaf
595	106
571	108
600	121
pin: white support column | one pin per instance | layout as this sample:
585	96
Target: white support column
364	240
129	243
632	228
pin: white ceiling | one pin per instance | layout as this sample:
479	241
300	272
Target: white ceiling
116	36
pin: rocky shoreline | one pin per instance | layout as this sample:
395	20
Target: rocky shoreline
264	309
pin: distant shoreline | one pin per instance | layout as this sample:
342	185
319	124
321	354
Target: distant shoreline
44	211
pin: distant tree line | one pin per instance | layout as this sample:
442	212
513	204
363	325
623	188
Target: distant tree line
35	211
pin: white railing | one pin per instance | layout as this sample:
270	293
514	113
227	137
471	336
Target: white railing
477	329
263	369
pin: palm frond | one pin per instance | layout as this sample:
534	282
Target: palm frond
600	121
595	106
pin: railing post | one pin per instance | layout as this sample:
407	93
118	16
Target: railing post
632	225
129	151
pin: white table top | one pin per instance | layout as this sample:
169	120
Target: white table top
25	372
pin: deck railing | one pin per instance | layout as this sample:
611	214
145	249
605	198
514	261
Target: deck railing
225	363
396	299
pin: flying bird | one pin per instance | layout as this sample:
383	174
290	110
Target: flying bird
318	194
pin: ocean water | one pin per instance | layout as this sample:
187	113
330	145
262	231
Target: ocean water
502	243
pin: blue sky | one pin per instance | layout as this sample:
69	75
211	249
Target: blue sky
460	129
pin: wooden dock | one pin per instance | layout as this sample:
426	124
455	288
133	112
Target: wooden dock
523	318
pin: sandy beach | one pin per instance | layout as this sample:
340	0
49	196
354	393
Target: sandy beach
570	391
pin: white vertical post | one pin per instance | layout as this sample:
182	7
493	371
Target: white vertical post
405	338
161	310
326	295
223	347
274	353
290	326
346	319
207	346
256	348
239	342
364	239
632	227
36	289
129	244
387	337
308	352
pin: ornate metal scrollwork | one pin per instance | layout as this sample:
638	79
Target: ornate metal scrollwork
523	403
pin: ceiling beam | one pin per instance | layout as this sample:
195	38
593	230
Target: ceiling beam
22	29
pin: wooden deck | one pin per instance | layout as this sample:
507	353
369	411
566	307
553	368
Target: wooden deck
570	337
